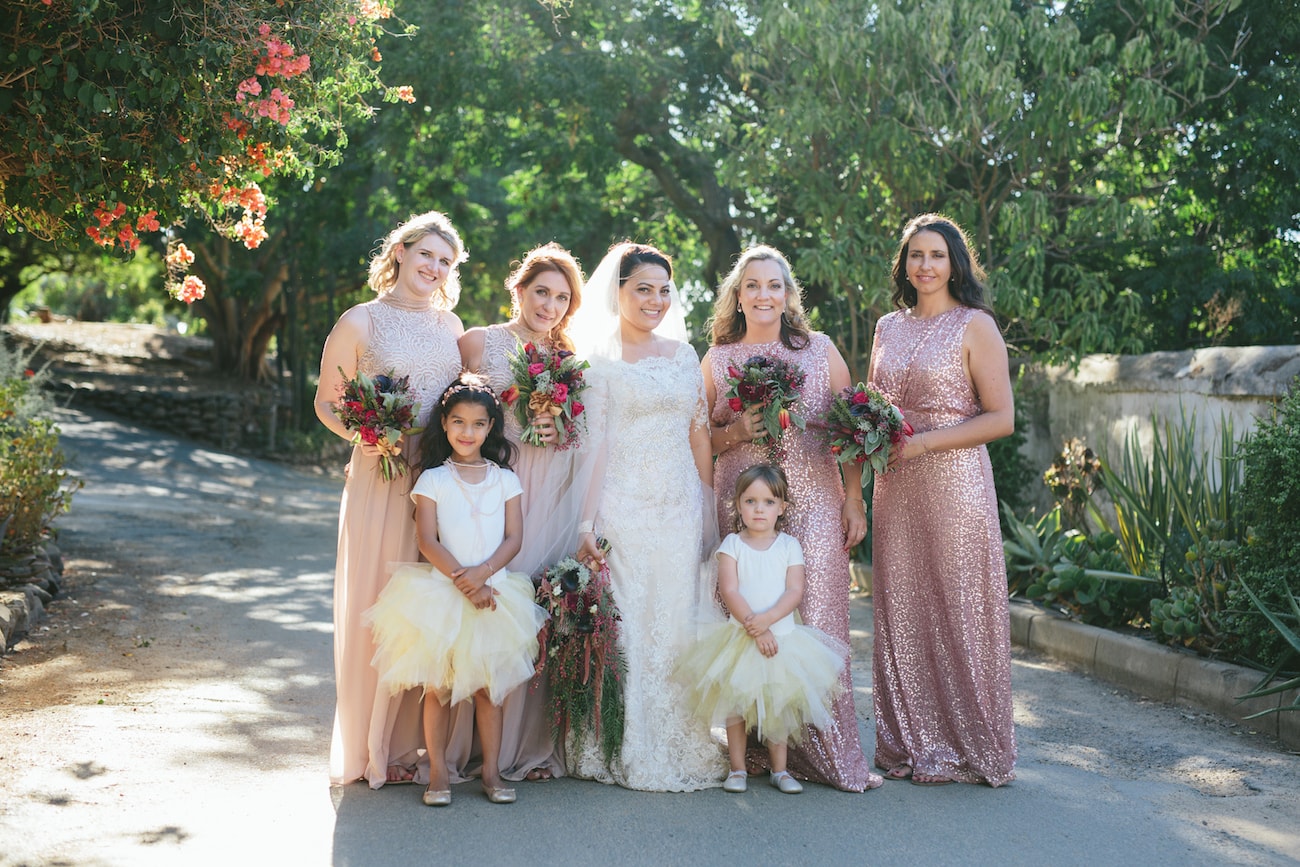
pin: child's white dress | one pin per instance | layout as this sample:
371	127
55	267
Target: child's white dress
427	633
729	677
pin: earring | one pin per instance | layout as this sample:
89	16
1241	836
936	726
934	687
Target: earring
740	309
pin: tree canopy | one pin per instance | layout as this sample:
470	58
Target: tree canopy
1125	168
119	118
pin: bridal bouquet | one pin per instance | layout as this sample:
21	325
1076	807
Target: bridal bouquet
379	411
770	383
580	659
863	423
547	383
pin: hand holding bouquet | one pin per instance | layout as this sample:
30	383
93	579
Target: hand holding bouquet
770	383
379	411
547	383
863	423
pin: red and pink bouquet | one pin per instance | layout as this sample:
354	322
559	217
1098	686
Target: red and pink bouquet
770	383
379	411
547	383
863	423
581	660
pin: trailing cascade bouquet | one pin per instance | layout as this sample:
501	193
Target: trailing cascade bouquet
772	384
379	411
863	423
547	382
581	662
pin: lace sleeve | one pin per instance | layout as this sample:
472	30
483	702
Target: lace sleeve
700	417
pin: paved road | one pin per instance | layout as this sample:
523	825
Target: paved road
191	721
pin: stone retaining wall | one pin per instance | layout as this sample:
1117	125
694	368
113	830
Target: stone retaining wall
243	418
1110	396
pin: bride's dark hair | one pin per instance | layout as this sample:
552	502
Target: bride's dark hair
435	448
637	255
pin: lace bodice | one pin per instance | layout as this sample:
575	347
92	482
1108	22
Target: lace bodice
498	347
418	344
651	409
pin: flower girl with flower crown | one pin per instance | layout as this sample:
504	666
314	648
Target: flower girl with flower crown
461	626
761	669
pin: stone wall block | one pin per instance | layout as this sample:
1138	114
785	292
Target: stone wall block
1137	664
1064	639
1216	685
15	618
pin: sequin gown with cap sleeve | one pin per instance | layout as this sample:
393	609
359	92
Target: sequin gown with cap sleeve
942	654
832	756
651	510
555	484
372	729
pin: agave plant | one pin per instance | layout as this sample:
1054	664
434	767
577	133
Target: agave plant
1287	632
1067	569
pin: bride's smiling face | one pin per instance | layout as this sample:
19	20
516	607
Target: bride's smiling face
644	297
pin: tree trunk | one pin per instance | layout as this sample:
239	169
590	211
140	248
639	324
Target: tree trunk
243	305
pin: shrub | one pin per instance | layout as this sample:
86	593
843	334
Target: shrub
34	486
1011	471
1269	562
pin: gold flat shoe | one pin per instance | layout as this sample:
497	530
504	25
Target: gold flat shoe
499	795
436	797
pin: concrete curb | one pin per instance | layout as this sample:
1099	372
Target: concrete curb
1155	671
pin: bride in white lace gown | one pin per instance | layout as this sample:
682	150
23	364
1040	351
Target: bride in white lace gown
652	508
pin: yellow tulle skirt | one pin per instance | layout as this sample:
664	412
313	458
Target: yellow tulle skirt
728	677
428	635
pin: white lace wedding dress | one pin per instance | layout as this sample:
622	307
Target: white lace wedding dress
652	510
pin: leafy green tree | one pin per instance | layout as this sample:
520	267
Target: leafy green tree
1222	262
1046	134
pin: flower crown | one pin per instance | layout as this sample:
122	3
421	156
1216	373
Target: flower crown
470	388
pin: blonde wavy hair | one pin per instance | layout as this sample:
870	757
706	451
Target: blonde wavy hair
384	266
728	323
539	260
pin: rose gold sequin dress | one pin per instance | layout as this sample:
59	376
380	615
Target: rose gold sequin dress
942	654
377	528
833	756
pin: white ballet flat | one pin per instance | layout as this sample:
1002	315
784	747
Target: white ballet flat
436	797
736	781
787	784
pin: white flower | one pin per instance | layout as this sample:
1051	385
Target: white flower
593	609
557	590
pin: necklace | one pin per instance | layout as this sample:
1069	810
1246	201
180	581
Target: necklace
526	335
481	463
477	509
418	306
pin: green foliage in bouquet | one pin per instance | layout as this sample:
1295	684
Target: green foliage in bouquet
581	661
